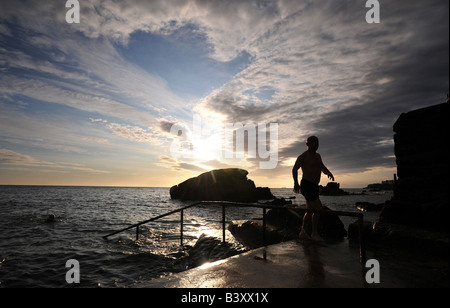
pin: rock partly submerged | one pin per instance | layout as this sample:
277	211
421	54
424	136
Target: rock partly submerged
332	189
229	184
208	249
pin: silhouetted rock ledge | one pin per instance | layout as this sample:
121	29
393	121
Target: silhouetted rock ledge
221	185
421	197
207	249
283	225
400	237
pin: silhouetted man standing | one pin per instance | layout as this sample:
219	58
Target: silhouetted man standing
312	166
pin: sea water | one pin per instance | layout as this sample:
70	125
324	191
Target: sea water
34	252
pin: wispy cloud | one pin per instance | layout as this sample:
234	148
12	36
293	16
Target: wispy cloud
133	133
176	165
11	158
335	76
314	67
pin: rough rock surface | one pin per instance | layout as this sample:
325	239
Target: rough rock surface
282	225
220	185
421	196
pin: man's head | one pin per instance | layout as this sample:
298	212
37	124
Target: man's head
313	143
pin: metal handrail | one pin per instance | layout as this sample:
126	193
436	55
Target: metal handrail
225	204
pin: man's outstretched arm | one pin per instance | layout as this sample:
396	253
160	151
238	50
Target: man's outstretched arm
326	171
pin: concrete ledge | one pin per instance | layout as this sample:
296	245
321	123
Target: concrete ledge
288	265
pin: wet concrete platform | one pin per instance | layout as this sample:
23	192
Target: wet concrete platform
287	265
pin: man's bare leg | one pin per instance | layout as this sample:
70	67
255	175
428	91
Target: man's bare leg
317	206
305	225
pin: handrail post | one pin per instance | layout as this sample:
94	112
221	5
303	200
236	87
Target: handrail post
264	227
264	235
181	228
137	233
223	223
362	246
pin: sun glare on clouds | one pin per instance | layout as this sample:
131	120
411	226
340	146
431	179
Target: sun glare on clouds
102	95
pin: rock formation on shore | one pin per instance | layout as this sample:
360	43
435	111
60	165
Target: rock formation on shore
208	249
284	224
220	185
384	185
421	196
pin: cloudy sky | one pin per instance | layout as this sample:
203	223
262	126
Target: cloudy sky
93	103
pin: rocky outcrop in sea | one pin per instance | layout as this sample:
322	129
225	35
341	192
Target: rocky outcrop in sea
221	185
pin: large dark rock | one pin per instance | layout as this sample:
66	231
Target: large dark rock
220	185
332	189
282	225
250	233
209	249
421	196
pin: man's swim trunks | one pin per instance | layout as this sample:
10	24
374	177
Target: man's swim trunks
309	190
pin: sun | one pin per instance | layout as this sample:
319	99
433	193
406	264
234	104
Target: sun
206	149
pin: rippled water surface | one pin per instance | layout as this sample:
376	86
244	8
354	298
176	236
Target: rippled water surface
33	252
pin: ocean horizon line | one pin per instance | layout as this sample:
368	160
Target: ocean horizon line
124	186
